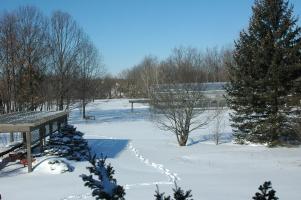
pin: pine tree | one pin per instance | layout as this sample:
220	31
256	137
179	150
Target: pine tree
69	143
266	192
160	196
262	80
179	194
105	186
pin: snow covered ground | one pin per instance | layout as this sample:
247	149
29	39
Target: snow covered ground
143	156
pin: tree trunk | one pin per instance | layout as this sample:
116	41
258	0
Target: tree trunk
61	103
84	109
68	102
182	140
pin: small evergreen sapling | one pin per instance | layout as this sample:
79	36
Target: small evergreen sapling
160	196
266	192
179	194
105	187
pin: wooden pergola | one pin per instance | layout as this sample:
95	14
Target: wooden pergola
26	122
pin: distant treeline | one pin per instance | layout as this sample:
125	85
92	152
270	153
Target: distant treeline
184	65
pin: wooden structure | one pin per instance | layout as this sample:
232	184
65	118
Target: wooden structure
132	101
26	122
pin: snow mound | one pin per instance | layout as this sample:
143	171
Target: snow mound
54	166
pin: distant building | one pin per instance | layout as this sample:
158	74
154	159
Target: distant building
213	91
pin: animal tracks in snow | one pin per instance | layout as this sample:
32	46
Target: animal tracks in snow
78	197
129	186
172	177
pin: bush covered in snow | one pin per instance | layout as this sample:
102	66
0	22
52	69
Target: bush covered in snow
54	166
68	143
105	186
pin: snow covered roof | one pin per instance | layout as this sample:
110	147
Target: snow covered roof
204	87
25	121
214	86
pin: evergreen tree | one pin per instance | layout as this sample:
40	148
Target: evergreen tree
69	143
266	192
105	186
179	194
262	80
160	196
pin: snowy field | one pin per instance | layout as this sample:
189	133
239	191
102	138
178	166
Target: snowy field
143	156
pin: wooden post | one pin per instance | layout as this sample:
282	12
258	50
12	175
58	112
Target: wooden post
58	125
24	138
50	128
41	138
42	131
28	148
44	135
132	106
65	120
11	137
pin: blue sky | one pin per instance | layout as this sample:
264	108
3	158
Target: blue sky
127	30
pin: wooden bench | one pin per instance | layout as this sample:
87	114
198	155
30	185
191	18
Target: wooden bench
132	101
90	117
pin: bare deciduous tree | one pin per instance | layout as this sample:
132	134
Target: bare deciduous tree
149	74
182	66
107	85
33	55
219	123
89	68
8	60
215	61
180	108
65	41
24	50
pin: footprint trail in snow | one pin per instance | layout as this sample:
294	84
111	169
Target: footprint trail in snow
172	177
78	196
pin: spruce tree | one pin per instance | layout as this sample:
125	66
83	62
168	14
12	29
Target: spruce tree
105	186
266	192
178	194
160	196
262	80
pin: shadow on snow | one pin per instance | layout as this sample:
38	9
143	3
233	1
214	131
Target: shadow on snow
108	147
224	138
